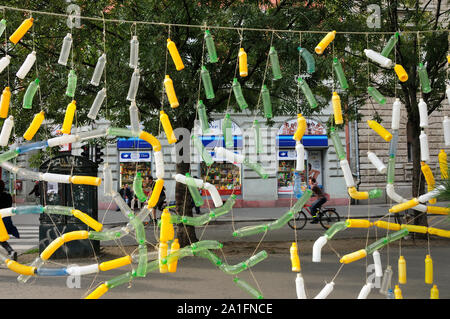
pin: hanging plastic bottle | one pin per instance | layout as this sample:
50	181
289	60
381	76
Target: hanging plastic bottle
4	62
443	164
446	126
27	65
227	131
396	108
65	49
274	61
447	92
68	118
71	84
2	26
164	118
267	104
323	44
134	52
4	102
258	138
423	113
424	150
398	292
6	130
377	263
170	92
301	128
98	71
134	118
300	286
193	190
300	160
378	97
297	185
390	45
401	270
434	292
176	58
29	94
401	73
172	266
365	291
379	165
325	292
243	68
34	126
134	84
377	127
295	260
307	92
378	58
309	59
386	282
337	110
201	109
237	90
98	101
428	270
424	80
210	47
337	66
207	84
21	30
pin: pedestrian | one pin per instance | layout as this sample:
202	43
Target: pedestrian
321	199
5	202
36	191
125	193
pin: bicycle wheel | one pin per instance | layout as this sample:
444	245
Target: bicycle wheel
298	221
328	217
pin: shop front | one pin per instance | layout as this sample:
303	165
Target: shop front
315	142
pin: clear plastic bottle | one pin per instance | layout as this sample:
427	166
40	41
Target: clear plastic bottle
134	52
134	117
65	49
98	101
134	84
297	185
98	71
386	282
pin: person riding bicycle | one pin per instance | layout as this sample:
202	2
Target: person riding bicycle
321	199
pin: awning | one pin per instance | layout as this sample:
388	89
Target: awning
132	142
211	141
318	141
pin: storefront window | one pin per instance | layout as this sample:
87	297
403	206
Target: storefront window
132	162
226	177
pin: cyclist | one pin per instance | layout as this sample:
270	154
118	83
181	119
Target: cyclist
321	199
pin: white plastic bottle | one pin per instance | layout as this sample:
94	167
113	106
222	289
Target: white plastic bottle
65	49
446	125
27	65
423	113
300	164
347	173
4	62
377	263
379	165
6	130
107	180
317	249
396	107
159	165
378	58
365	291
424	150
325	292
300	287
98	71
447	91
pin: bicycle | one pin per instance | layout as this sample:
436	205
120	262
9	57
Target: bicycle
327	216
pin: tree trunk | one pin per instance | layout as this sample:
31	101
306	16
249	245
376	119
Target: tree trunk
185	234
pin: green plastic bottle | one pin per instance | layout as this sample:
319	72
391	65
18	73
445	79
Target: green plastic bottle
247	288
207	84
337	66
391	170
424	80
237	90
274	61
204	124
29	94
193	190
227	131
137	187
2	26
390	45
309	59
307	92
210	47
376	95
258	139
337	143
267	104
71	83
204	153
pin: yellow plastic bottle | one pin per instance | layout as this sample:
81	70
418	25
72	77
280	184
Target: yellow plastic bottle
21	30
295	259
387	225
356	194
404	206
86	180
336	101
349	258
34	126
175	55
243	67
323	44
98	292
172	267
170	91
4	103
439	232
401	270
301	128
429	178
443	164
163	247
438	210
415	228
3	232
358	223
377	127
434	293
167	232
428	270
398	292
155	193
164	118
68	118
401	73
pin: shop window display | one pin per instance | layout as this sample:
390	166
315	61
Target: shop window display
128	171
226	177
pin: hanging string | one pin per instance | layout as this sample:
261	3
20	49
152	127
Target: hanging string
241	38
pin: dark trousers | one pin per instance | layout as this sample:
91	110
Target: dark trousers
7	247
316	205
